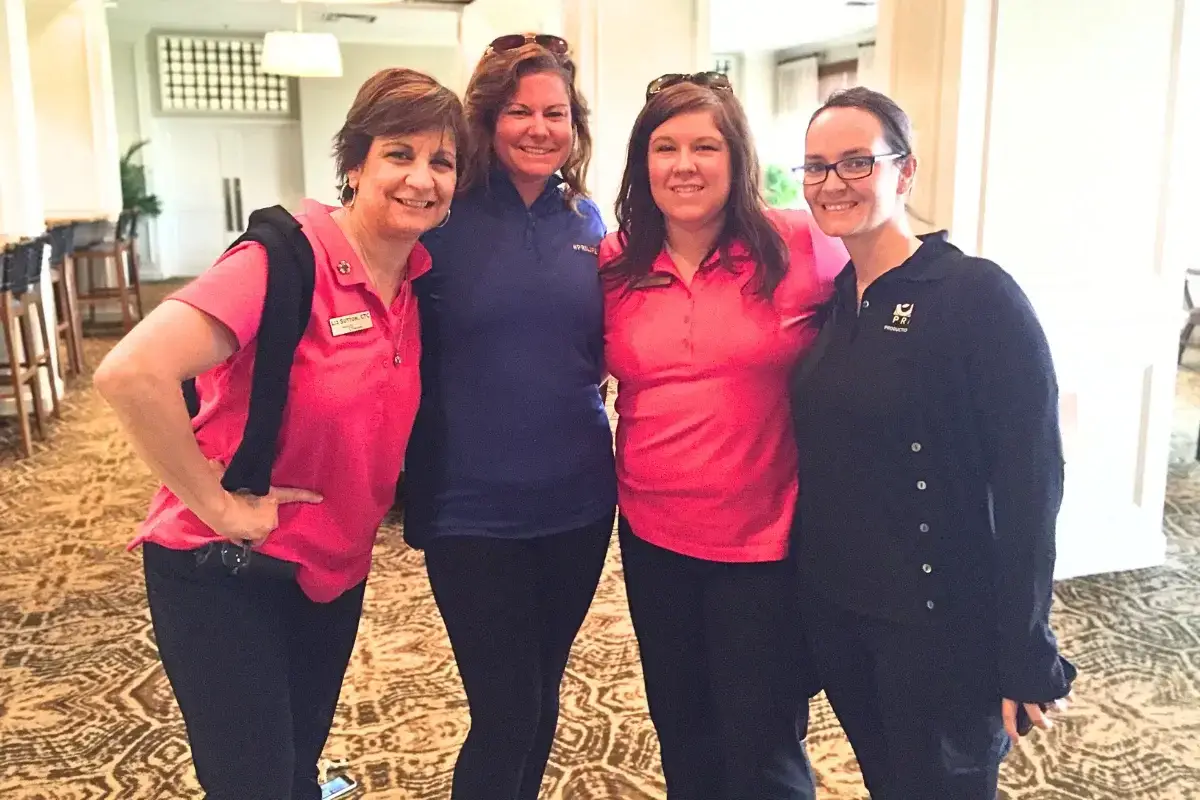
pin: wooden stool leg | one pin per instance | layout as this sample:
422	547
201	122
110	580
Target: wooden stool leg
35	385
14	370
90	264
135	279
62	327
75	333
119	255
48	346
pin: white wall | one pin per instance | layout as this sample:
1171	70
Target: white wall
756	90
20	187
1092	262
63	109
484	20
617	60
325	101
1020	135
124	72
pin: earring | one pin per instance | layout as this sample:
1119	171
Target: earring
442	224
353	195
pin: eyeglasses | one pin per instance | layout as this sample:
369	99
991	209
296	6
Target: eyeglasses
511	41
713	80
848	169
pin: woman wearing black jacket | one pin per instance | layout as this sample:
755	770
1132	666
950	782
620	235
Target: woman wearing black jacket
931	475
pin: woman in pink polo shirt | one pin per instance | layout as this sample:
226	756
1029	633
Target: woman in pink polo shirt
256	658
709	303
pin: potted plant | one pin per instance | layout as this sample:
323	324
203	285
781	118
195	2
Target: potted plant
780	188
134	196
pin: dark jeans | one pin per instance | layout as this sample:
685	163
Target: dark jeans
726	677
919	704
256	668
512	609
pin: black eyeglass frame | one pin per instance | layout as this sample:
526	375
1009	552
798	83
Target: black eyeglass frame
836	166
709	79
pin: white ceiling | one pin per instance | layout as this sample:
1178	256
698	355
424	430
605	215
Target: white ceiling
735	25
759	25
396	22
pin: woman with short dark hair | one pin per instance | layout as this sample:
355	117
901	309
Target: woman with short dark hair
926	419
256	600
710	300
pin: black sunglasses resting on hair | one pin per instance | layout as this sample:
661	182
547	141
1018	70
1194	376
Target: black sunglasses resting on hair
713	80
511	41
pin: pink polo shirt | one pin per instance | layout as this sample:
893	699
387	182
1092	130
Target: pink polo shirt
706	461
352	398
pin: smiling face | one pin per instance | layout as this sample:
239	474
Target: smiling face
689	166
847	208
534	134
405	184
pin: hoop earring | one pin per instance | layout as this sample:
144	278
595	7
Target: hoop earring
353	195
442	224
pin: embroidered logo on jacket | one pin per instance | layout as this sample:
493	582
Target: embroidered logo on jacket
900	318
584	248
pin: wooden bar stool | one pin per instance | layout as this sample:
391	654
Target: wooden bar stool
119	253
21	265
69	327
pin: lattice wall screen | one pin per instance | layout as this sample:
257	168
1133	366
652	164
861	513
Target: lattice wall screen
222	75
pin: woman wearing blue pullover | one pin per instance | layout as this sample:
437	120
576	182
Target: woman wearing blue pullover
509	482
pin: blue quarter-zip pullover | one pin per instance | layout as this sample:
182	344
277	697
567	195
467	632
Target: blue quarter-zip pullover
511	439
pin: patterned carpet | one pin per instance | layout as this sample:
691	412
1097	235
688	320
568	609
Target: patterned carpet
85	710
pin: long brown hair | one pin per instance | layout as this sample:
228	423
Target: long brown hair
642	229
396	102
493	85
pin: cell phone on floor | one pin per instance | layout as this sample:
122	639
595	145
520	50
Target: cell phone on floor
339	786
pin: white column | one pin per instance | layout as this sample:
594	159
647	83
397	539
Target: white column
1068	160
621	45
75	111
106	145
20	188
21	196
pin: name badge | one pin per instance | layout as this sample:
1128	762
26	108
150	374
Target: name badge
351	323
654	279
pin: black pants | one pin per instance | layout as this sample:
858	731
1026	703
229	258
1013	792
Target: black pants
918	703
512	609
726	680
256	668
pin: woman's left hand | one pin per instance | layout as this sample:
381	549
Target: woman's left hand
1039	718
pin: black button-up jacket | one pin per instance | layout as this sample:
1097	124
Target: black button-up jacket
931	468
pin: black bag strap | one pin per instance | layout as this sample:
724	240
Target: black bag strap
287	308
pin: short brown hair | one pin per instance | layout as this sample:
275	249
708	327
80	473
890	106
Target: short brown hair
396	102
642	229
493	84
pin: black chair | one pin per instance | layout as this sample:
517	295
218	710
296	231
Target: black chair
69	326
20	303
95	259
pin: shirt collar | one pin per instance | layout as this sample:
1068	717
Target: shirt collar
665	264
501	188
341	257
927	264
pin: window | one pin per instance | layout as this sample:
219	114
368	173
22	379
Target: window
222	75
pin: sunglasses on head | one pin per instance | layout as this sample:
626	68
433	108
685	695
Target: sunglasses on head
713	80
511	41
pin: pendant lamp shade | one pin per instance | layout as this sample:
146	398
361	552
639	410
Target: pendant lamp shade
303	55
